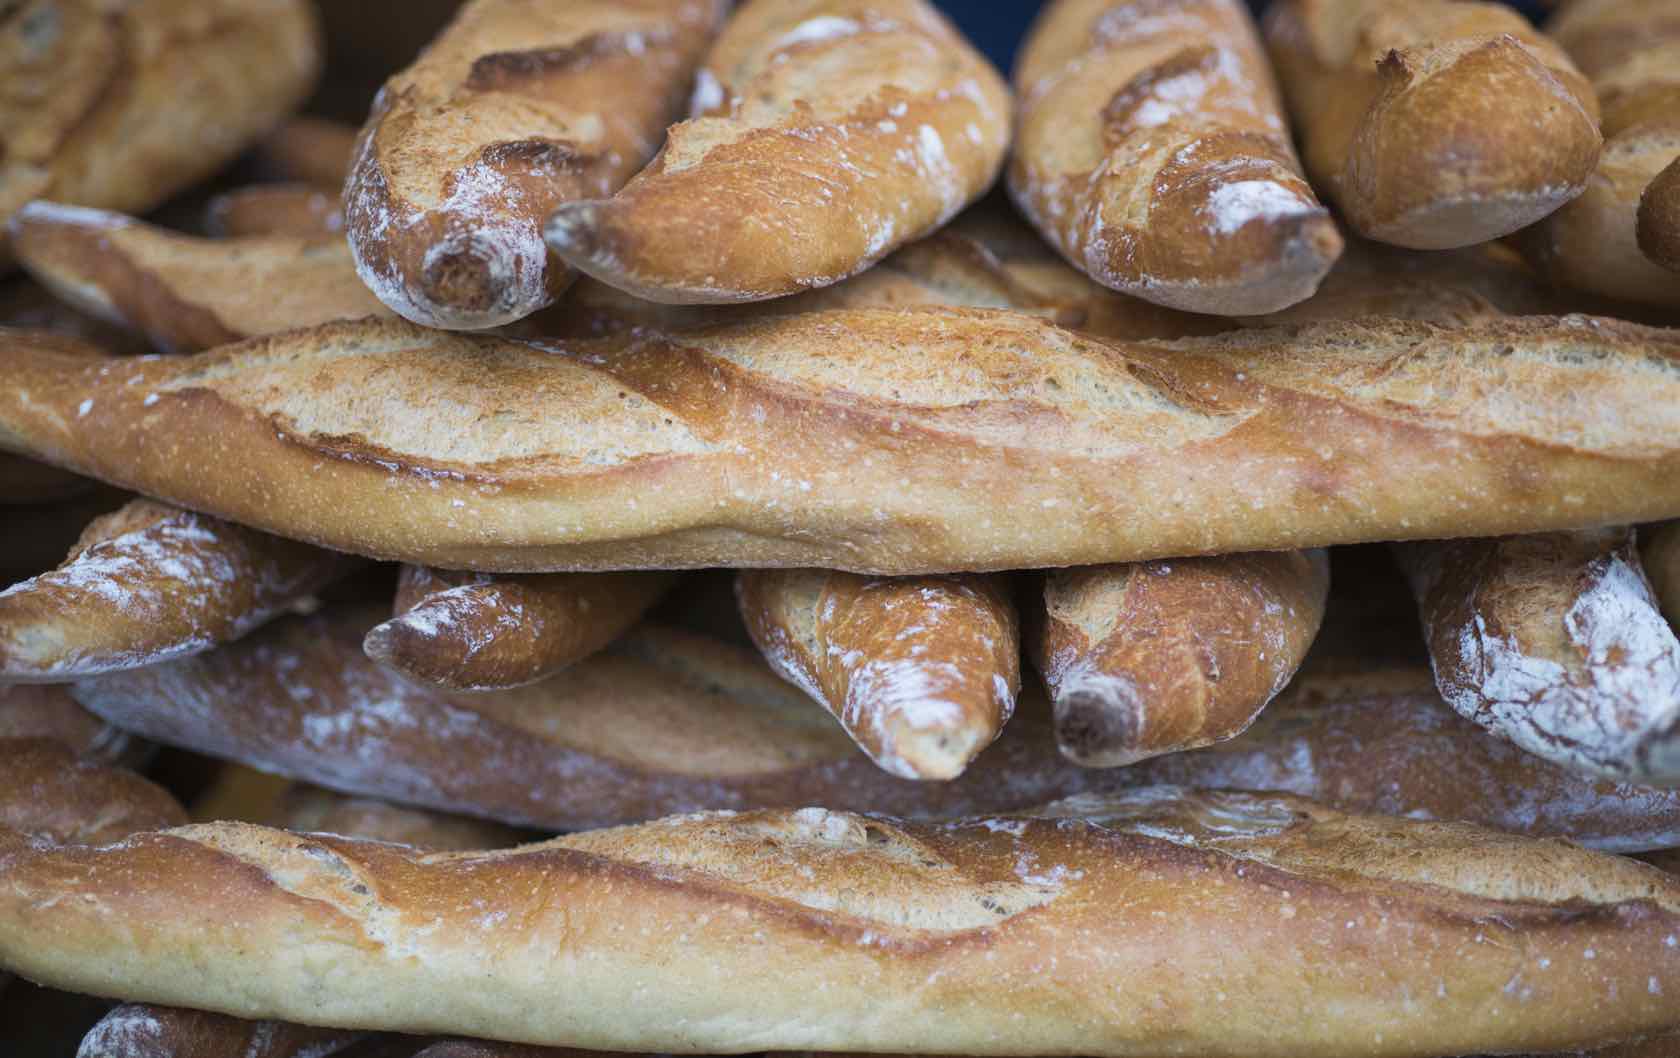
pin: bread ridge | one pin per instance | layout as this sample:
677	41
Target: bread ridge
824	135
1251	890
789	441
129	91
1556	643
1153	154
1433	124
516	107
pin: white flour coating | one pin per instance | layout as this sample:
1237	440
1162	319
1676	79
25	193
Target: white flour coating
129	1029
1618	718
1077	678
937	168
1231	206
899	701
823	27
708	93
77	216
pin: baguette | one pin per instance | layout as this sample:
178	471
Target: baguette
1433	124
50	796
187	293
48	711
478	632
517	107
1629	49
149	583
295	210
826	134
142	1030
791	441
1160	657
664	721
122	106
922	672
1236	902
308	150
1555	643
1153	153
1658	222
1659	548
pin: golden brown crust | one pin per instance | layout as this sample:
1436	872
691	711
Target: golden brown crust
1433	124
922	672
1658	225
296	210
142	1030
51	796
826	134
908	932
183	292
308	150
517	107
148	583
1153	153
110	105
1159	657
786	441
483	632
48	711
1555	642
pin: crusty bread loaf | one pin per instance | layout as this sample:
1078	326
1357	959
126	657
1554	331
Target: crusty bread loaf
943	269
1555	642
142	1030
1154	154
922	672
148	583
825	135
1658	225
1159	657
48	711
988	936
482	632
297	210
122	105
183	292
517	107
1630	49
664	721
1659	548
308	150
1433	124
51	796
793	441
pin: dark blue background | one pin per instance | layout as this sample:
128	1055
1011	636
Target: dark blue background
998	25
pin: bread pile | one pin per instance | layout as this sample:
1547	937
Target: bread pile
1221	605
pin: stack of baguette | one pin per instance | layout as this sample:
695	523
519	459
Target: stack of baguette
1215	596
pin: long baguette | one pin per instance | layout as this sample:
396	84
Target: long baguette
52	797
827	133
666	722
1153	153
187	293
121	106
517	107
1658	223
922	672
1629	49
148	583
792	441
1433	124
1555	643
992	936
1160	657
478	632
